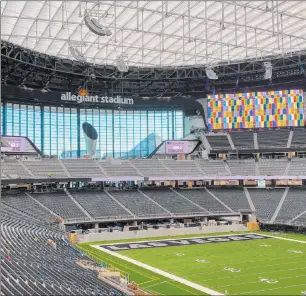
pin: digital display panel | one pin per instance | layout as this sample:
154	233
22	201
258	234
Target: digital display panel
175	147
16	144
270	109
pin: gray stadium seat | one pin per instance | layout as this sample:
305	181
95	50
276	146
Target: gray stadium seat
242	167
266	201
138	204
243	139
99	205
294	204
46	168
172	201
36	268
218	142
273	138
61	204
205	200
234	198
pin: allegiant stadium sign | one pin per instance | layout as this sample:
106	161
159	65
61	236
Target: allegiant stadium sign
96	99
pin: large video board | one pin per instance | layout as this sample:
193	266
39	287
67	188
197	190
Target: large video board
282	108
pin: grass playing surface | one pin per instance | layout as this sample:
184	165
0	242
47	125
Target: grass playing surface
256	267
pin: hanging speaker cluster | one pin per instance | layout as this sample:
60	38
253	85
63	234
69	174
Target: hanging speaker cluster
121	64
268	67
96	27
77	54
211	74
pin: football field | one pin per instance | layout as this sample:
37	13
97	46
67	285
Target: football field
247	264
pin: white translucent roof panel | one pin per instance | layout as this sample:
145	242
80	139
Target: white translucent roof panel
159	33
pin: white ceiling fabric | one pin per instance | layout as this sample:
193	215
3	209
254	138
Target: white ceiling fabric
159	33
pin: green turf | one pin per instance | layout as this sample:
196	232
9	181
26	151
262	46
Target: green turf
273	262
268	259
149	281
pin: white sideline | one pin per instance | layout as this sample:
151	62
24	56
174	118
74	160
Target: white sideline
288	239
161	272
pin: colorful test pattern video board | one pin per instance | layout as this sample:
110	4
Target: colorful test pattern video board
270	109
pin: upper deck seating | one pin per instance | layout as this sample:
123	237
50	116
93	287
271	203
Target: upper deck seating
297	167
242	167
118	168
298	138
272	167
273	138
14	170
243	139
218	142
46	168
212	167
183	167
151	167
83	168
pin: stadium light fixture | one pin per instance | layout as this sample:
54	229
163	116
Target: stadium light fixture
77	54
96	27
268	72
121	64
211	74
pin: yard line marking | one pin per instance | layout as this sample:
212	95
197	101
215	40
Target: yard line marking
156	284
245	283
253	274
271	289
287	239
146	282
161	272
244	269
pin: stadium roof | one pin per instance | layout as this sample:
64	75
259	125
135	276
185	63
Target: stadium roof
159	33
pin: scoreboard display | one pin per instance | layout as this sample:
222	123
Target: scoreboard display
270	109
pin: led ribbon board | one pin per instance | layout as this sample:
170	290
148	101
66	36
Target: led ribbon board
270	109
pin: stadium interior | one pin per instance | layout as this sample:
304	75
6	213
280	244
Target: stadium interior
125	120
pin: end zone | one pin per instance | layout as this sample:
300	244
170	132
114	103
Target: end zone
181	242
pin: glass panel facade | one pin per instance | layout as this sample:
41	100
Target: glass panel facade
121	133
22	120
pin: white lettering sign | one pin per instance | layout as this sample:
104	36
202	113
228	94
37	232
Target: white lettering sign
96	99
